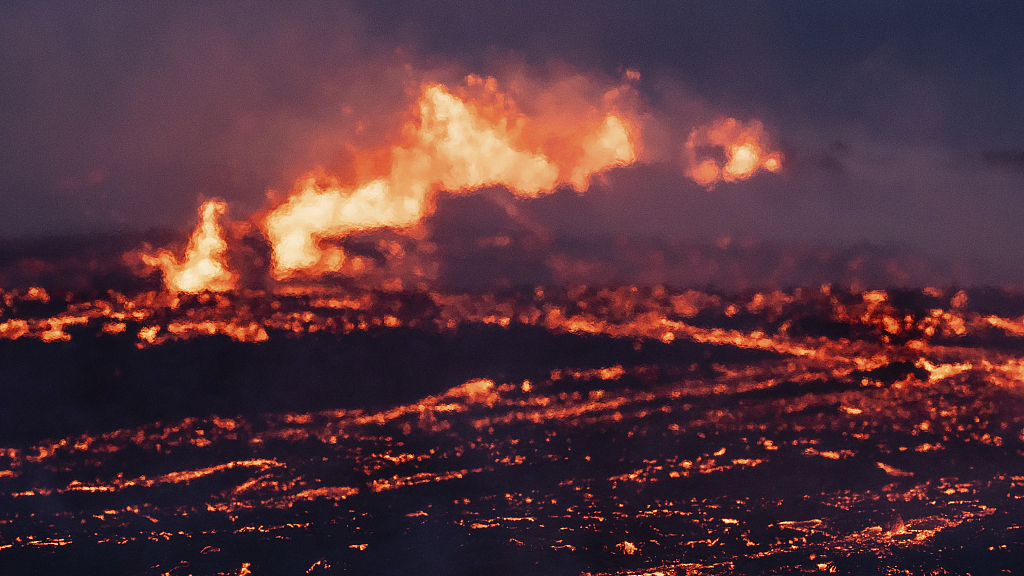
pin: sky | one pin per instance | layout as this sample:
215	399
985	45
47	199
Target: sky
901	123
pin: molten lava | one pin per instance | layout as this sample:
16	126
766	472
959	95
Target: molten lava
459	140
863	431
744	152
205	265
456	144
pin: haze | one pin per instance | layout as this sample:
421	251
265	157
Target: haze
900	125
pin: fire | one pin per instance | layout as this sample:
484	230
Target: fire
456	144
745	152
205	265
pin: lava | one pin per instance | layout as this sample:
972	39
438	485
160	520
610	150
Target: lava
762	429
457	140
455	144
743	147
633	429
653	462
204	267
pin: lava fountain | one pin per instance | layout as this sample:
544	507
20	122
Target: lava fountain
459	140
455	144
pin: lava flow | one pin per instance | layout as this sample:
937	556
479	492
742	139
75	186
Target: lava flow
614	431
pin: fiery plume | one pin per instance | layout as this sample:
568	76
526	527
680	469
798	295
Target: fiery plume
728	150
205	265
454	144
458	140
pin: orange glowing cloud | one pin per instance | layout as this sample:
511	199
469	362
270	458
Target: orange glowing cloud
569	130
728	150
457	142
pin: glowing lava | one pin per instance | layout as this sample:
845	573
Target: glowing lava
457	144
745	152
205	265
459	140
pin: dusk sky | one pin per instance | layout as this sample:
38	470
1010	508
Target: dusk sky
901	123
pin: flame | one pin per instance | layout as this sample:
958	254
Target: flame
745	152
456	144
205	265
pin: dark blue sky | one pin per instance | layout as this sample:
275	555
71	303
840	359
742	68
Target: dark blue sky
902	122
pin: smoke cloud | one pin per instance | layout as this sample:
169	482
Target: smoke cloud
895	127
